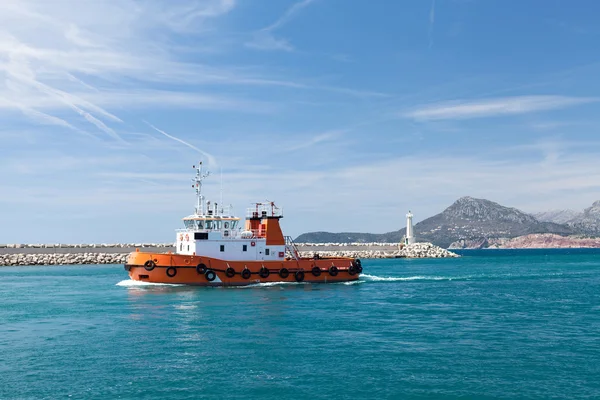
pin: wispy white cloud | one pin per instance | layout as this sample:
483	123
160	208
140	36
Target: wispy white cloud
493	107
212	161
264	38
315	140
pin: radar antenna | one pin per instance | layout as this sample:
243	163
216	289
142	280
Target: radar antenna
198	186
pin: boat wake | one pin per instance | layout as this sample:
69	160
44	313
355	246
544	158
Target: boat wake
267	284
374	278
132	283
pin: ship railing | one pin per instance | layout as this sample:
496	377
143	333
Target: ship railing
291	249
264	210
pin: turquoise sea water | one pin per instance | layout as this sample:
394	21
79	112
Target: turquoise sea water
522	324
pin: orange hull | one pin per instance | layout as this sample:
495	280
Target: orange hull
207	271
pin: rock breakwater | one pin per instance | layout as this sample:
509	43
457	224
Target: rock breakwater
62	258
15	255
377	250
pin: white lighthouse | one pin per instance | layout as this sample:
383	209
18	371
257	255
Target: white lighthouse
410	236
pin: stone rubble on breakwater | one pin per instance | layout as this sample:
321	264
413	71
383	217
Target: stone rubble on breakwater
388	250
71	254
62	259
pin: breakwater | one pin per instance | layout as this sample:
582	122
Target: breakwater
374	250
70	254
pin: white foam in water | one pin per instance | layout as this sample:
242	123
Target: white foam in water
132	283
373	278
267	284
357	282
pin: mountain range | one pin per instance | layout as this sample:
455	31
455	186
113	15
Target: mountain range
477	221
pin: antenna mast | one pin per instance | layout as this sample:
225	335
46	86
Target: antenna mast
221	168
198	185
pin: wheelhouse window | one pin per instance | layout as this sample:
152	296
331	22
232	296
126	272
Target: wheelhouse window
226	224
200	235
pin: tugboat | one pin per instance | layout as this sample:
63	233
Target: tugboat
214	250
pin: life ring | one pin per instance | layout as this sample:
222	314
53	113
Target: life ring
201	268
246	273
333	270
264	272
253	243
149	265
316	271
284	273
230	272
187	237
352	270
181	237
171	272
187	261
299	276
210	275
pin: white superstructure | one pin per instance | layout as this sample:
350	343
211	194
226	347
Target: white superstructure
214	231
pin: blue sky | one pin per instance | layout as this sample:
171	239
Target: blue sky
345	113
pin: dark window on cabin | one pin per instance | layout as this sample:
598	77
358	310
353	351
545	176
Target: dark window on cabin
201	235
180	246
222	247
188	248
267	251
245	247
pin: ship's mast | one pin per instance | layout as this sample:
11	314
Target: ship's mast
198	185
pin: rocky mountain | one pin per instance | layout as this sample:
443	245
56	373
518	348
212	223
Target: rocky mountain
480	219
467	219
584	223
587	223
557	216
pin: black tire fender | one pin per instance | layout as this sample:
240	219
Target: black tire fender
149	265
246	273
210	275
264	272
201	269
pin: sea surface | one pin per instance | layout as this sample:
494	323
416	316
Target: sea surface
493	324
